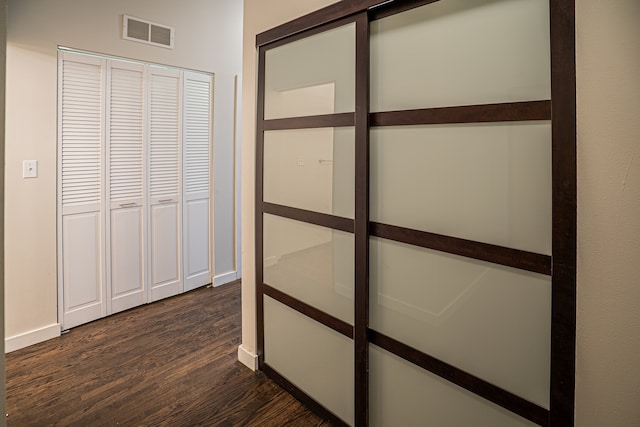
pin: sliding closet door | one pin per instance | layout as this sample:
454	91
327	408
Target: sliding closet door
125	166
437	253
198	94
306	214
81	182
460	266
164	183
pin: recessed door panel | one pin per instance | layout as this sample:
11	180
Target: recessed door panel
127	259
197	243
82	268
165	265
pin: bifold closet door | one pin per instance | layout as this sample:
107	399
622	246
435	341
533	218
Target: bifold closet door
164	183
126	227
81	181
197	95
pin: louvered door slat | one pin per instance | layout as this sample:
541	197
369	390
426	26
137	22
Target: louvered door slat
81	133
126	155
197	135
164	136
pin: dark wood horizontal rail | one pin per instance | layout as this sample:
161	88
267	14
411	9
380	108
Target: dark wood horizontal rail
484	113
530	261
311	217
309	122
302	396
395	7
497	395
320	17
319	316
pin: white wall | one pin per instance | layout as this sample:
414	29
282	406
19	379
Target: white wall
3	36
608	342
259	16
207	38
608	329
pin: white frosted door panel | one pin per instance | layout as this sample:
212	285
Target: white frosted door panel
198	93
315	358
311	263
485	182
127	263
461	52
197	243
82	271
311	169
491	321
312	76
165	268
402	394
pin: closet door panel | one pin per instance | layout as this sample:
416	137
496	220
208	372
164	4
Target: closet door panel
164	183
125	156
81	186
491	321
165	266
82	269
313	357
486	182
461	52
127	259
312	76
198	93
196	245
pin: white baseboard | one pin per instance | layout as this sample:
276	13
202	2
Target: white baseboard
225	278
247	358
26	339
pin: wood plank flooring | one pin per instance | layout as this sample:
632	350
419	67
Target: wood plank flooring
170	363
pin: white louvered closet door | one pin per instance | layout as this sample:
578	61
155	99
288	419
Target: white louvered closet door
81	182
198	94
164	183
126	228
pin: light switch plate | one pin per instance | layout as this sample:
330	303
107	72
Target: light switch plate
30	169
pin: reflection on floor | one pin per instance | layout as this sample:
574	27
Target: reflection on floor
319	276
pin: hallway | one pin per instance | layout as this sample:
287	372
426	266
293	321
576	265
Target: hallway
173	363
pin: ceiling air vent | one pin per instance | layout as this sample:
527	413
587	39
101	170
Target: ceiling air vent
143	31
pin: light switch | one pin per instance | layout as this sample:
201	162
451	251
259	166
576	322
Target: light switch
300	161
30	169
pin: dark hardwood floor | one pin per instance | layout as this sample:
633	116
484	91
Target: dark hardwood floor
171	363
